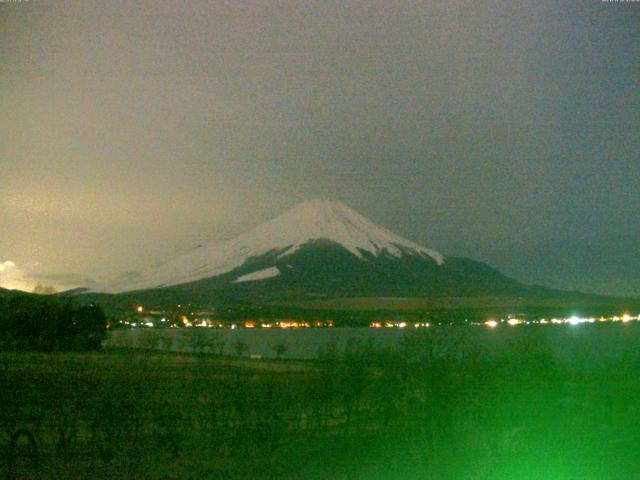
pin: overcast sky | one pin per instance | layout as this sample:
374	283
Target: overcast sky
508	132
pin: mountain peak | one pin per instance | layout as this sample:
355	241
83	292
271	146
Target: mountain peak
309	221
318	208
320	219
318	204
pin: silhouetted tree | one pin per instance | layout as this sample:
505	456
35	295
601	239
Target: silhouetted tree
240	347
218	343
280	349
47	324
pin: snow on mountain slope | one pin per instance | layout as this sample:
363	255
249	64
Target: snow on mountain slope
259	275
308	221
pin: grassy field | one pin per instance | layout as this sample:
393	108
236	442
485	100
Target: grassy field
358	414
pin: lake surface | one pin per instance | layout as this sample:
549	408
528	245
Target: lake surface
592	344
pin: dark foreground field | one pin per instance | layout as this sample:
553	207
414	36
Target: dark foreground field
360	414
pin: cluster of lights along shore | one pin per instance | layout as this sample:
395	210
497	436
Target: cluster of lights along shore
513	321
198	320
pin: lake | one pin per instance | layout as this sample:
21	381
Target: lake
592	344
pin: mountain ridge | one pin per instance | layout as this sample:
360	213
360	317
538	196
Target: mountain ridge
321	250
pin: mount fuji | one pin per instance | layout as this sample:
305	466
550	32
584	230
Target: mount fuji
319	248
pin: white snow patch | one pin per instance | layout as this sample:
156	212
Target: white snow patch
259	275
309	221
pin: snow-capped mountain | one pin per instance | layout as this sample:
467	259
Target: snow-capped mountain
319	250
304	225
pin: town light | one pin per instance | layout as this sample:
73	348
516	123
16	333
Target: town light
574	320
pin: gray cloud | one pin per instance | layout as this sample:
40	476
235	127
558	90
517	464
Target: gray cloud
505	132
71	279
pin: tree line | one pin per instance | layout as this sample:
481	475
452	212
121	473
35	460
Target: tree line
45	323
